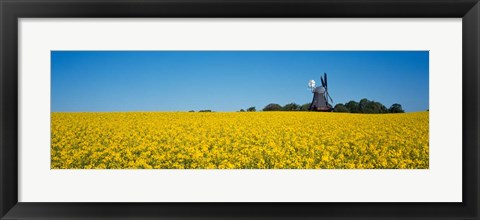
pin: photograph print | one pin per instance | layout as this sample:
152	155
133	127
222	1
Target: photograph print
239	110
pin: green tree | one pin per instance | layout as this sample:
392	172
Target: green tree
272	107
291	107
396	108
373	107
305	107
340	108
363	105
383	108
251	109
241	110
353	106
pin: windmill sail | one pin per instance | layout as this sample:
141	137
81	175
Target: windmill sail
325	78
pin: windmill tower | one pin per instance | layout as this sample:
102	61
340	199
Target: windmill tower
320	96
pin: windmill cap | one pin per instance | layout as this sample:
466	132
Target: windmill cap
320	89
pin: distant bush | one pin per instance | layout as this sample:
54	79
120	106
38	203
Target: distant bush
207	110
251	109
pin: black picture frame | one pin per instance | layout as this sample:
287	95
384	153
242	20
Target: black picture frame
11	10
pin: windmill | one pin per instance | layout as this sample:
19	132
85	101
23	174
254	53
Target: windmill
320	95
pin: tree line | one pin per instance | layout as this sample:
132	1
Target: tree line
364	106
368	107
276	107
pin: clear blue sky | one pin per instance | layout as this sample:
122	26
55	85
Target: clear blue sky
103	81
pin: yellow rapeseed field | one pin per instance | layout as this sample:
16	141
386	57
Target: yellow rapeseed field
239	140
